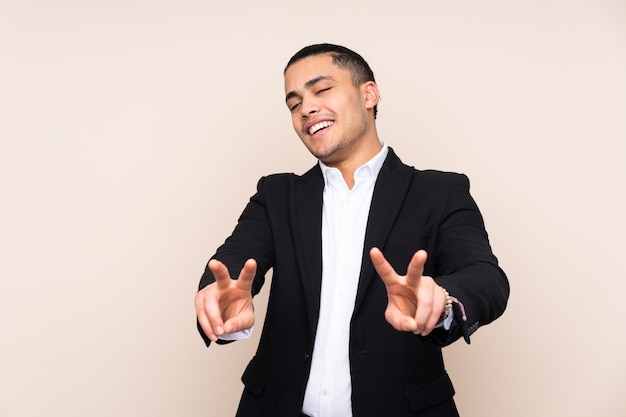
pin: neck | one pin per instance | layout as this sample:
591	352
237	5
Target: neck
359	157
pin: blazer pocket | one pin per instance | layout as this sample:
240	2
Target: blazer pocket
254	378
428	393
416	234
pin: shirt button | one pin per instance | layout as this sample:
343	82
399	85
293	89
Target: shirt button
306	357
325	392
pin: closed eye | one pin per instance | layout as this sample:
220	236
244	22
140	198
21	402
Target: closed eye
323	90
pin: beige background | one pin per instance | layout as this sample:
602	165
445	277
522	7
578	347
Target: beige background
133	132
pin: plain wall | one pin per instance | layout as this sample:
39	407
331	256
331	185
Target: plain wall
132	133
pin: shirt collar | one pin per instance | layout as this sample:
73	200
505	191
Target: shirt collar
369	169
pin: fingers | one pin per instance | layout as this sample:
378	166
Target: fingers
415	301
439	301
208	312
399	320
220	272
430	304
400	312
242	321
225	306
223	279
390	276
384	269
247	274
416	267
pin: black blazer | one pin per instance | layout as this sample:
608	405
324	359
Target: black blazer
393	373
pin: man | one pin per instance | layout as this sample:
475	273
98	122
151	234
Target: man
376	265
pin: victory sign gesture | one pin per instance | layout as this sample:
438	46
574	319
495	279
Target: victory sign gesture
416	302
225	306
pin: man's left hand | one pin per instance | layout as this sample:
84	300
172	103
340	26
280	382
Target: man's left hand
416	302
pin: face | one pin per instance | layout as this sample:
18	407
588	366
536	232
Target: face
333	117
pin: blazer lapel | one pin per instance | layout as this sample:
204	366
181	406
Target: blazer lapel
306	222
389	192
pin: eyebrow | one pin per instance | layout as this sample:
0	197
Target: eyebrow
308	85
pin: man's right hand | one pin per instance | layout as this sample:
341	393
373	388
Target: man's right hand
225	306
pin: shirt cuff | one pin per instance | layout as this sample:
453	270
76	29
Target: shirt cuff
447	323
242	334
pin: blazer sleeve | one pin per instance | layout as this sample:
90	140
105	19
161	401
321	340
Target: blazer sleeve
251	238
465	264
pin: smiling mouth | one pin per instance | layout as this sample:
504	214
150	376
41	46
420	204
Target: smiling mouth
319	126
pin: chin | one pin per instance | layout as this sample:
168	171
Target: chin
324	153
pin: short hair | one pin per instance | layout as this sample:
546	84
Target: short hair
343	57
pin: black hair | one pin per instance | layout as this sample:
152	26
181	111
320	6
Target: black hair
342	57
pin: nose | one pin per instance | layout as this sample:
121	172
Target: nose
309	107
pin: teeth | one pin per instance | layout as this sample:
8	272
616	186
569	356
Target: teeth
319	126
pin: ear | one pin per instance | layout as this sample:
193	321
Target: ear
370	93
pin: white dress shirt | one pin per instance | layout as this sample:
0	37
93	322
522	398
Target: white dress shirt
344	220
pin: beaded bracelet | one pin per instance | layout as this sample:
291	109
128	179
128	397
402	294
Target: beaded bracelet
448	307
